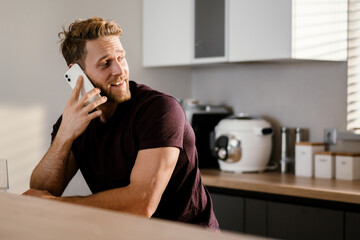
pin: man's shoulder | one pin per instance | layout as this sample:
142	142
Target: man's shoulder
144	94
154	105
140	89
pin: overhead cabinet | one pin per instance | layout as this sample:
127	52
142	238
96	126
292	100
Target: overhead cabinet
187	32
285	29
183	32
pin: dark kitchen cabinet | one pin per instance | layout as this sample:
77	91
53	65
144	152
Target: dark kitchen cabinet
288	221
255	217
240	214
229	211
352	226
283	217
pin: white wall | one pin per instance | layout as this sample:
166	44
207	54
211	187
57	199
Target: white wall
30	72
33	92
306	94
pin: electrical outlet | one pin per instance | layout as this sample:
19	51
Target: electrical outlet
330	136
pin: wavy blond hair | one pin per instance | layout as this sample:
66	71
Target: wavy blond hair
74	39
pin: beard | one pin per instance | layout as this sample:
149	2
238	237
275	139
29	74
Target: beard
116	96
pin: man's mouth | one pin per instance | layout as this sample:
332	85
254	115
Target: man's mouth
120	83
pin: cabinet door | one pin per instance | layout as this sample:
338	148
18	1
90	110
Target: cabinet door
319	29
256	217
287	221
229	211
352	226
209	28
168	32
259	30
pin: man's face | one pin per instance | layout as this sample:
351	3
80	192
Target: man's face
107	68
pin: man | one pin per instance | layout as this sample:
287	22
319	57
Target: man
134	146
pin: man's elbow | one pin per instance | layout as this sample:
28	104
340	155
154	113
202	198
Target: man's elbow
34	184
148	211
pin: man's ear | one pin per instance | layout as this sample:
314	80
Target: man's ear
71	64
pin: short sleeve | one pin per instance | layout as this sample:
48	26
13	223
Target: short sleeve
161	124
56	127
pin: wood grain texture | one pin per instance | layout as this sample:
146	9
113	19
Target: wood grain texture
24	217
285	184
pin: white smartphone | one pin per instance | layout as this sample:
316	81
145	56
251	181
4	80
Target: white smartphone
72	75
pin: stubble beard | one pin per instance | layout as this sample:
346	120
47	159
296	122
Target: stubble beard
117	98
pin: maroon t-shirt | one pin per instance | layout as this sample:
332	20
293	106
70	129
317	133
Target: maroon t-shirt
106	153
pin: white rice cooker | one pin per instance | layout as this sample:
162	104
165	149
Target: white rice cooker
243	144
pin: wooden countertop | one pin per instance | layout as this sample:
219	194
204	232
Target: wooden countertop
285	184
25	217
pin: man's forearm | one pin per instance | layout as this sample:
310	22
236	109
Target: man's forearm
125	199
50	173
149	177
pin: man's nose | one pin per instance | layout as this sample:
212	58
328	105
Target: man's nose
118	69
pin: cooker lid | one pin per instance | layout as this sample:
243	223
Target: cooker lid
244	123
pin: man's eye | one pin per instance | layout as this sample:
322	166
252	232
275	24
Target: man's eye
106	63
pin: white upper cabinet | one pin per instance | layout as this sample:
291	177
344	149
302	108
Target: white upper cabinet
259	30
183	32
168	32
285	29
319	29
186	32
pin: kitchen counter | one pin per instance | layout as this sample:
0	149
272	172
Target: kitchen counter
283	206
285	184
25	217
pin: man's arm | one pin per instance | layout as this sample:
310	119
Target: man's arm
58	166
150	175
55	170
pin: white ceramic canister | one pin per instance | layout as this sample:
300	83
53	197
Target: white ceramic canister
325	165
304	157
347	166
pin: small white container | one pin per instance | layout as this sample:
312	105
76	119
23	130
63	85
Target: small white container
325	165
348	166
304	157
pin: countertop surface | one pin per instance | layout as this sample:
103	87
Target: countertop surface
25	217
285	184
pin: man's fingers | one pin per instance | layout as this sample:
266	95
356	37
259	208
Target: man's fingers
90	107
76	92
89	95
94	114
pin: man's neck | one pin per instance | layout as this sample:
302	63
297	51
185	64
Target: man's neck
108	110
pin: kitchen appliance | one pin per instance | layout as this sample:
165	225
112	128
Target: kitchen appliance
243	143
203	119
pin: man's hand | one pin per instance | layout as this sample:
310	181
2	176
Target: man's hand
39	193
58	165
76	116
